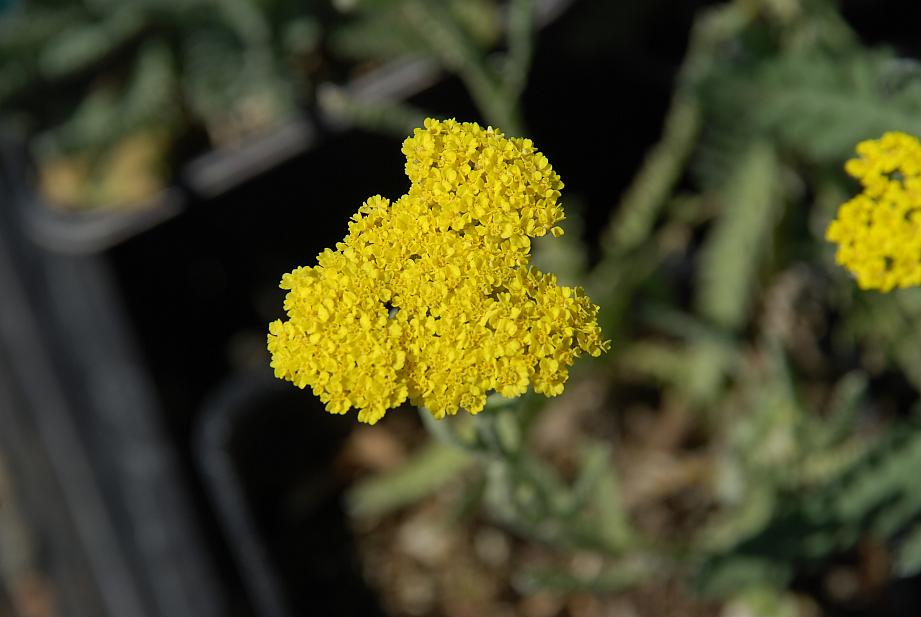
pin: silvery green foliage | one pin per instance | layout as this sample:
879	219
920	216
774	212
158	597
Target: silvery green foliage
82	76
806	387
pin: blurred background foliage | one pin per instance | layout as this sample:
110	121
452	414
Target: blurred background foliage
150	84
803	389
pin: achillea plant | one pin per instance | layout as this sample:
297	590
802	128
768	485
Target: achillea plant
879	231
432	297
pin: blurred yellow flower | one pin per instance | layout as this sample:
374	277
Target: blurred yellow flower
431	298
879	231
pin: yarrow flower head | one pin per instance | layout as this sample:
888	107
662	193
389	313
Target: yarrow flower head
879	231
432	297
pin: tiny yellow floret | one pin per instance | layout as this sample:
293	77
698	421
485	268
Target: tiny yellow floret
879	231
432	298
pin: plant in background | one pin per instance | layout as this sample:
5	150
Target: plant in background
761	341
457	36
139	87
133	82
432	297
879	232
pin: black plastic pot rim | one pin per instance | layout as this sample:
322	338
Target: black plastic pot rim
216	172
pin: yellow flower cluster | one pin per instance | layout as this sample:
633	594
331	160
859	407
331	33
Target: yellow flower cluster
879	231
431	298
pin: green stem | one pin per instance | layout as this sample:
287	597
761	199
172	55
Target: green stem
443	432
520	47
454	49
